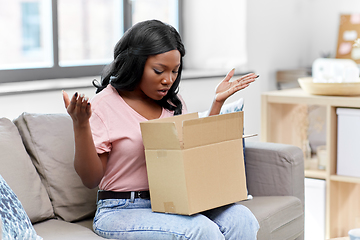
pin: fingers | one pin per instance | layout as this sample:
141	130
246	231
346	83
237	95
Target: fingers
66	99
77	104
72	104
78	108
226	88
229	75
247	79
243	82
69	104
82	104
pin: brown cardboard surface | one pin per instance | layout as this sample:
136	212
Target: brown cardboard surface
213	129
214	178
167	181
157	134
160	135
207	172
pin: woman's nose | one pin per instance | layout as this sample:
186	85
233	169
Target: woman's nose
168	79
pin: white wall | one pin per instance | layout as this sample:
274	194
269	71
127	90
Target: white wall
276	39
211	38
280	34
38	102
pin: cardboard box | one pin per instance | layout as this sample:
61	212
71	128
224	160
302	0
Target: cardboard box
348	139
194	164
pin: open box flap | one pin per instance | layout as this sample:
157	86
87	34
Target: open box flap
164	133
160	135
213	129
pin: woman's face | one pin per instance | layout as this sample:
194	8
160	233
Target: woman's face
160	72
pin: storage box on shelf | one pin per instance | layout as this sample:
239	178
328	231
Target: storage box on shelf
348	155
280	124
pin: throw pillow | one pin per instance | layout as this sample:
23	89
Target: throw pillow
49	139
20	174
236	106
227	108
15	224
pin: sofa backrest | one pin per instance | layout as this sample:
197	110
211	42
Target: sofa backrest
49	141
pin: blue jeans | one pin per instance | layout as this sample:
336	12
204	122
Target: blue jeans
133	219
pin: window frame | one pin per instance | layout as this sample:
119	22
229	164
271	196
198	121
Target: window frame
56	71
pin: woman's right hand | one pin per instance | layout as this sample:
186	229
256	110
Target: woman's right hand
78	108
87	163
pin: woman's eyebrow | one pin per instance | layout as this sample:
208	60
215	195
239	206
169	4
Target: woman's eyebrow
164	65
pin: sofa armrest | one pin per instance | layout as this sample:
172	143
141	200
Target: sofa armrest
274	169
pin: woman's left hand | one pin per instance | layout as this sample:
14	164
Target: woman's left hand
226	88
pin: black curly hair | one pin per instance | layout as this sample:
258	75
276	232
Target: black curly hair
144	39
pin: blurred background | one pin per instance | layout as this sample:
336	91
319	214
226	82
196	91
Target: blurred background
49	45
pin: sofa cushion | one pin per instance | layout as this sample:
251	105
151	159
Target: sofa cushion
280	217
20	174
60	230
49	140
15	224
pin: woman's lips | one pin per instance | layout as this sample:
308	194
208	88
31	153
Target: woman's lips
163	92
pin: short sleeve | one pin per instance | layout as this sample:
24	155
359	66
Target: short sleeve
100	134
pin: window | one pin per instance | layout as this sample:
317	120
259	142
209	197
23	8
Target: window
25	37
44	39
88	31
30	26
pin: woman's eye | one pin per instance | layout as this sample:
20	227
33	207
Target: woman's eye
175	72
157	71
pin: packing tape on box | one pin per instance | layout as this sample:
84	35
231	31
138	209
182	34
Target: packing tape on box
169	207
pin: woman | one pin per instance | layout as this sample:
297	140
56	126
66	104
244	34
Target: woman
142	84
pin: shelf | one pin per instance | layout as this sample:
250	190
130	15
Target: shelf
347	179
312	173
283	118
299	96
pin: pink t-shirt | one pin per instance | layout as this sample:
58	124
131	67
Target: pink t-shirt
115	128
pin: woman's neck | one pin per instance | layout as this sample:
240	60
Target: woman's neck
142	104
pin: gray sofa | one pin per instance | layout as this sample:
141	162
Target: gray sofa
37	163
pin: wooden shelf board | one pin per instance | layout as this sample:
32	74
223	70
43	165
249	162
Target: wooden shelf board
339	178
312	173
299	96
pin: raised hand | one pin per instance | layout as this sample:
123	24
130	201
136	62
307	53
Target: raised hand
78	108
88	164
226	88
